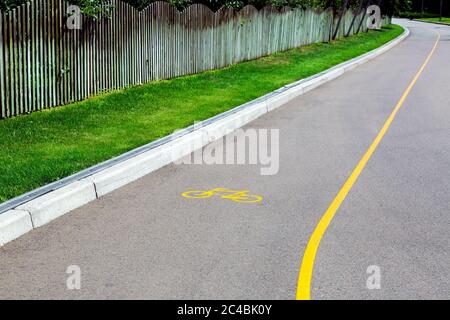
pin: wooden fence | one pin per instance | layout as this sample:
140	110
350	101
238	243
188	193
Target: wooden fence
45	64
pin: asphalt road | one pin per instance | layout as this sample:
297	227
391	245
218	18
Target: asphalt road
147	241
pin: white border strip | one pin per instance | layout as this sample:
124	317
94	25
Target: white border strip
45	208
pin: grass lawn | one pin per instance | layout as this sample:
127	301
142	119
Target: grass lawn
45	146
444	20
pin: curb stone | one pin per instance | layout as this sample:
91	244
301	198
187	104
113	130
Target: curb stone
13	224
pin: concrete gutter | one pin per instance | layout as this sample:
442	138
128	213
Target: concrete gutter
36	208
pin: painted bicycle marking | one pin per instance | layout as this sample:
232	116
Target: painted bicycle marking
241	196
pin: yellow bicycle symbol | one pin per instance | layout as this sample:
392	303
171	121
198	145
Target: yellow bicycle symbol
224	193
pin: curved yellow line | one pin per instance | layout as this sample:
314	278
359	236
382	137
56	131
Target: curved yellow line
307	265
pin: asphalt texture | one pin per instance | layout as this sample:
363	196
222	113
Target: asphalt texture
146	241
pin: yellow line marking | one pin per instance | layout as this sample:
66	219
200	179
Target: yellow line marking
224	193
306	268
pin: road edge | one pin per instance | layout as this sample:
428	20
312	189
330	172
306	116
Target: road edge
433	22
27	212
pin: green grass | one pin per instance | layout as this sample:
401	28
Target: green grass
45	146
444	20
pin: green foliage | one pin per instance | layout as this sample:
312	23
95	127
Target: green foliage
94	8
437	19
402	5
6	5
237	4
91	8
416	15
97	8
421	8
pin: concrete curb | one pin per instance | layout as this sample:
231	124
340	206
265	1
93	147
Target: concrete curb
54	204
59	201
13	224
